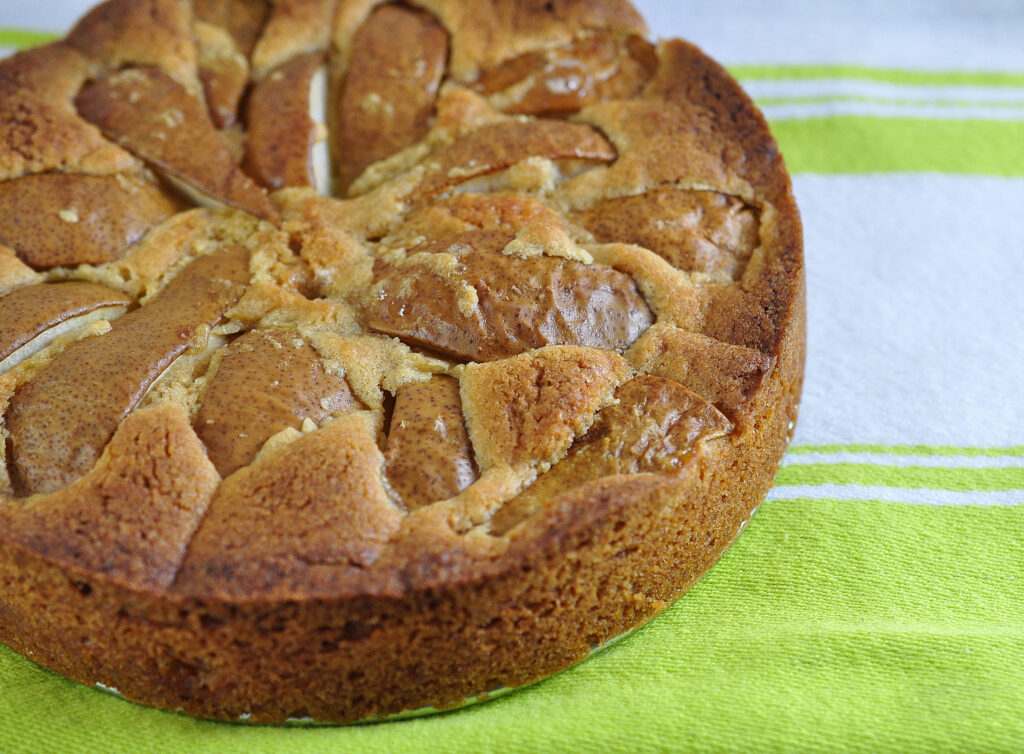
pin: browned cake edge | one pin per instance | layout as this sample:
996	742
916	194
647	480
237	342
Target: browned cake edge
607	557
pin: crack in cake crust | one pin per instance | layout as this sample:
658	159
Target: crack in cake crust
506	401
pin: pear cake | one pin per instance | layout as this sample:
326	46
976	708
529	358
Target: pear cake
361	357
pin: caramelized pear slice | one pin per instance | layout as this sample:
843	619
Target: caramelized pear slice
696	231
61	420
470	301
722	373
398	60
269	380
654	427
500	146
151	115
595	68
33	316
58	219
223	71
428	455
281	131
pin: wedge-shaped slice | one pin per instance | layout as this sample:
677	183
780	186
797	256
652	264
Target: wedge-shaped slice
301	521
428	456
597	67
398	59
463	297
528	409
268	380
724	374
281	131
131	517
223	71
33	316
654	427
151	115
61	420
696	231
500	146
57	219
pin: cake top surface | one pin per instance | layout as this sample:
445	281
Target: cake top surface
316	298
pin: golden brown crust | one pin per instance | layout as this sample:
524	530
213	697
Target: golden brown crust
531	407
153	477
121	33
242	19
298	522
40	135
293	28
390	527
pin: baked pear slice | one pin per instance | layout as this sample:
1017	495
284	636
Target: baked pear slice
653	427
269	380
223	72
33	316
695	231
499	146
428	456
595	68
398	59
152	116
463	297
61	420
281	130
64	219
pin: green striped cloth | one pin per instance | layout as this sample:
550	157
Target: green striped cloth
876	600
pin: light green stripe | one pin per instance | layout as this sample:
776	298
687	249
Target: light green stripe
911	450
887	75
22	38
914	477
864	144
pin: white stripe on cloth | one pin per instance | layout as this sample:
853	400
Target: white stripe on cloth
805	110
888	459
894	495
914	310
938	35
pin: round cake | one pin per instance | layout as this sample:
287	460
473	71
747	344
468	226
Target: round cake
361	357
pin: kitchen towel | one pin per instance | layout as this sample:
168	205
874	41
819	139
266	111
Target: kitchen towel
876	600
